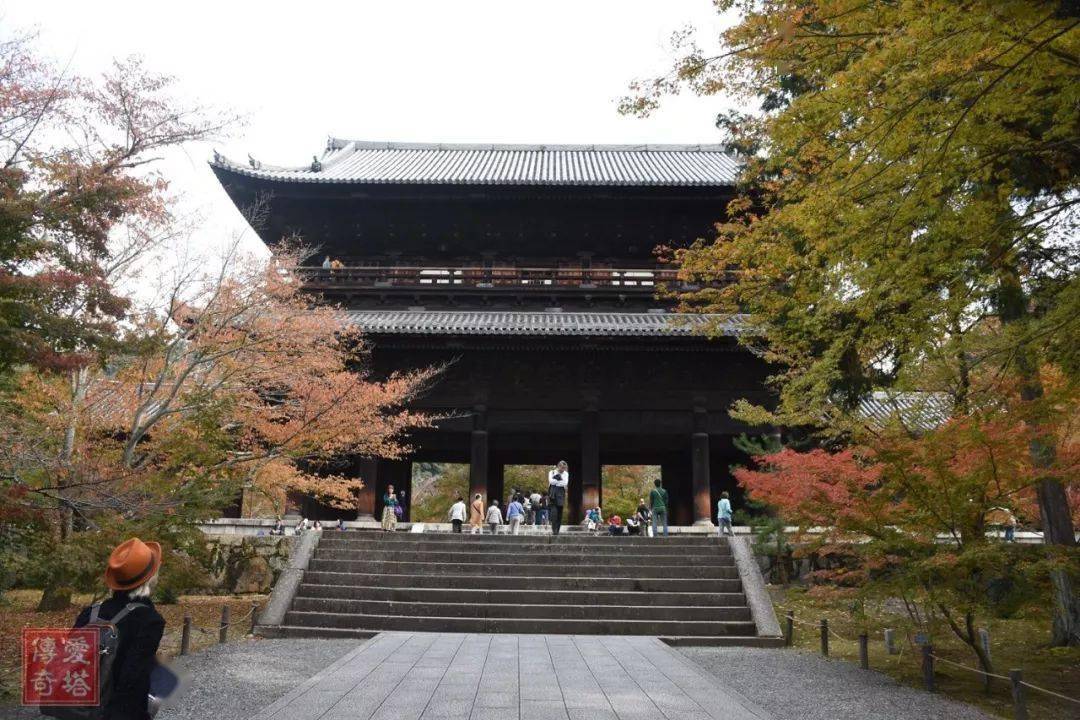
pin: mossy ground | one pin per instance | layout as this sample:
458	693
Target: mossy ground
1017	642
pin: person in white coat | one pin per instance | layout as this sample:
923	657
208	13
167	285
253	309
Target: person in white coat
558	481
458	511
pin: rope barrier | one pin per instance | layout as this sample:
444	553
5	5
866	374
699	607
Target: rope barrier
1006	678
968	667
1050	692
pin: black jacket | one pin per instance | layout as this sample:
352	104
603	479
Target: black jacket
139	635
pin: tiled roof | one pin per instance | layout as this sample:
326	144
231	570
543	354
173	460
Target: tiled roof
348	161
917	410
497	322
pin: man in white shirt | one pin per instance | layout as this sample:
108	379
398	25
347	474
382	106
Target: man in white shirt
457	514
558	480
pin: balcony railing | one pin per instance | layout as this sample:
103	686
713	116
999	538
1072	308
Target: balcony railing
520	278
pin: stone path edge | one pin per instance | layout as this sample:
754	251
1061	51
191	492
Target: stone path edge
308	684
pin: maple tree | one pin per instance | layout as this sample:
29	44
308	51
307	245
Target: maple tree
76	172
234	379
903	515
909	197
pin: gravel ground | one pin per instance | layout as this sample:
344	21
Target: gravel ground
232	681
794	685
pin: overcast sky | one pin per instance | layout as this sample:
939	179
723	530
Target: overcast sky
402	70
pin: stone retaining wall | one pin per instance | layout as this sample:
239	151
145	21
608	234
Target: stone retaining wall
247	563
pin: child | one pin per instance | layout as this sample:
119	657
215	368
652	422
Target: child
723	515
494	517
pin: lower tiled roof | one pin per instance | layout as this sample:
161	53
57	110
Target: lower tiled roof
500	322
918	410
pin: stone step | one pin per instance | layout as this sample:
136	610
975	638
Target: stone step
521	610
584	570
758	641
594	540
521	557
517	582
518	544
561	626
297	631
530	597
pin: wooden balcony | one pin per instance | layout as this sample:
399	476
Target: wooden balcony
543	280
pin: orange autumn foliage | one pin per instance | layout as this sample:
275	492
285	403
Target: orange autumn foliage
237	378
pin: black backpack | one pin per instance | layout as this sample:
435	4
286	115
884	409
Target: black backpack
108	643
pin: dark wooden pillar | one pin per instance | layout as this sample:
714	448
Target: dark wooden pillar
478	455
589	474
365	500
496	488
676	476
699	454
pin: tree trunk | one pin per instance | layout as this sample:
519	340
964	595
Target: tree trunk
55	598
1053	501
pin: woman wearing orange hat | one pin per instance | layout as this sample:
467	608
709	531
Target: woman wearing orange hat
131	575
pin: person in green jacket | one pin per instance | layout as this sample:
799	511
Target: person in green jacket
658	502
389	515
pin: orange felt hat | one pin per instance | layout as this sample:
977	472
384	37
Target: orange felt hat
132	563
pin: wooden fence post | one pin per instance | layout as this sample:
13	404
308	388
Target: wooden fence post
223	633
185	636
254	614
984	640
789	636
1016	677
824	637
864	651
928	666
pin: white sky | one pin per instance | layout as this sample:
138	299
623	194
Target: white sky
403	70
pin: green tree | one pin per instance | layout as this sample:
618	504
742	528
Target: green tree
910	202
621	486
435	487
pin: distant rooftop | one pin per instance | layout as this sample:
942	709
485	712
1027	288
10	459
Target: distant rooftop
354	161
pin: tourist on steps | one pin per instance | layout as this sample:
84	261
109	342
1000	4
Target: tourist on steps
614	525
389	511
534	499
494	516
594	519
457	514
542	517
515	514
476	514
558	480
658	504
723	515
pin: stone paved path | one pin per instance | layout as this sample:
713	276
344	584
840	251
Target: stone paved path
413	676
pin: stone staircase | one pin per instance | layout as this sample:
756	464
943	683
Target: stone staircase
686	589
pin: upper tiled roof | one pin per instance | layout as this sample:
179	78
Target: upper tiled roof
497	322
348	161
